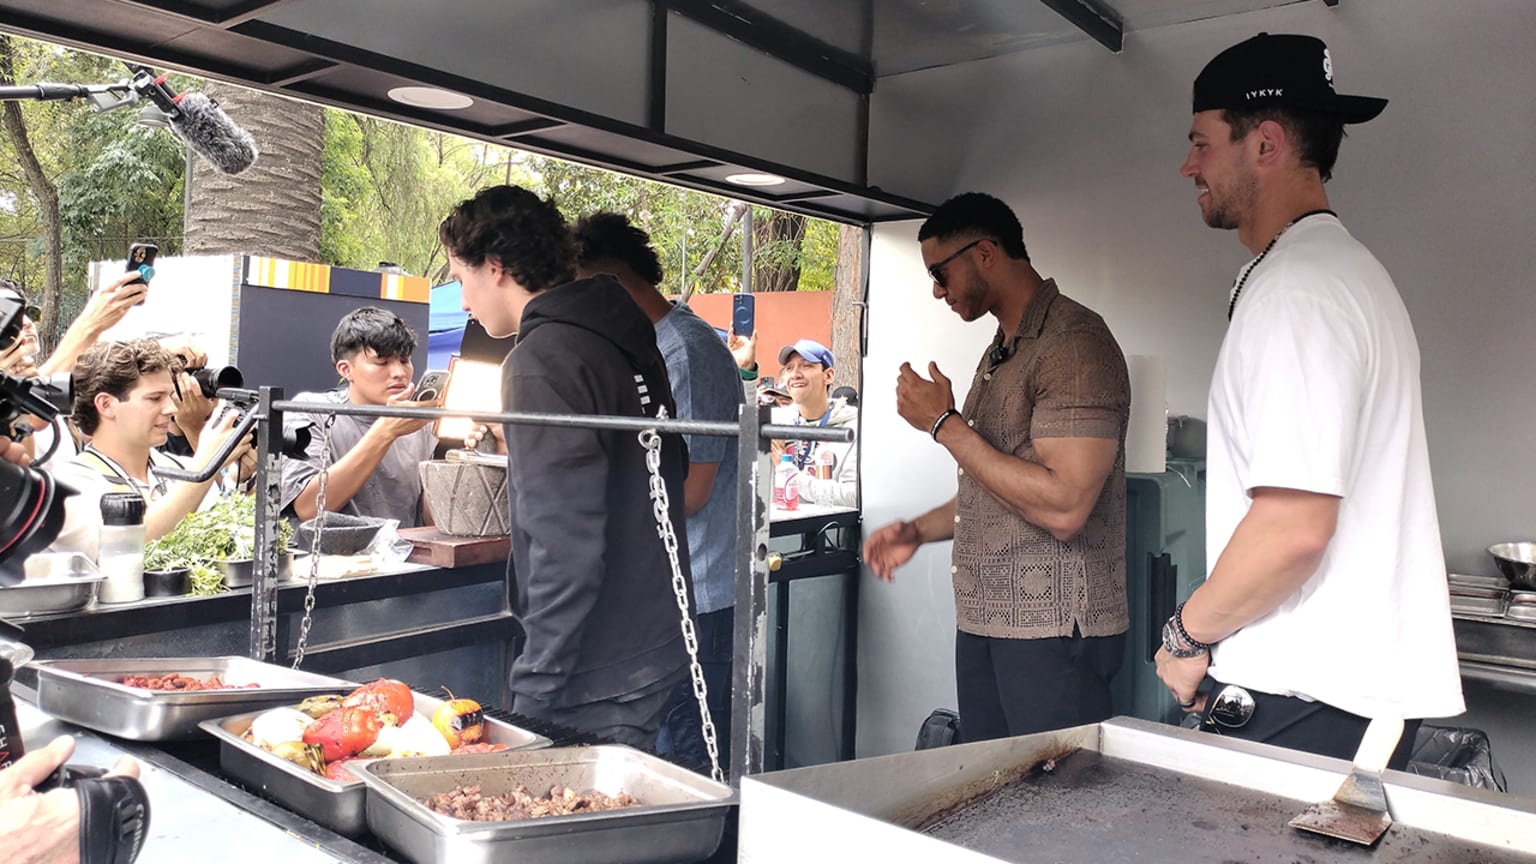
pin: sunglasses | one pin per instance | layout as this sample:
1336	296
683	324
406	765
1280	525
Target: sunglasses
1232	708
936	272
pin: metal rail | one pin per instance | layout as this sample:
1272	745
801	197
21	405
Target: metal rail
748	713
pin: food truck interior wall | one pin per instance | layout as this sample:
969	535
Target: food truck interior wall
1087	146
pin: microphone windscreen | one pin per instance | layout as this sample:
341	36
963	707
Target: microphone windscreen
203	124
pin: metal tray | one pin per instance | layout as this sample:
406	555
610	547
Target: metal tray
1521	612
681	819
335	805
1490	606
47	596
1478	581
88	693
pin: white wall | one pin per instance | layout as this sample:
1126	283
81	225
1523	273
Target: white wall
1086	146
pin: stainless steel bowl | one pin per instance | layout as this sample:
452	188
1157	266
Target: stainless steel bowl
54	582
1517	561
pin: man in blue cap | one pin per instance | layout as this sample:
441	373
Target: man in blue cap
1326	601
825	472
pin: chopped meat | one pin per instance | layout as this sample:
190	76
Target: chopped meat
466	802
180	682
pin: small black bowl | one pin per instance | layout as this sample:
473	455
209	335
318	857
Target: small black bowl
167	583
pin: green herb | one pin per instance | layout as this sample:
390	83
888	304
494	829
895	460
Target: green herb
225	531
205	580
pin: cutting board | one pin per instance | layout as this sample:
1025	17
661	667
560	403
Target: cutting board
433	547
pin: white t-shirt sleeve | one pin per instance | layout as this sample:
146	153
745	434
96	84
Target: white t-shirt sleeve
1302	372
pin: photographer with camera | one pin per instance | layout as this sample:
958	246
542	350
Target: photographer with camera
44	828
124	400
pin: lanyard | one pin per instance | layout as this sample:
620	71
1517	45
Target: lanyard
806	448
157	488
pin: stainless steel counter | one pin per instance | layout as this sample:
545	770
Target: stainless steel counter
1500	652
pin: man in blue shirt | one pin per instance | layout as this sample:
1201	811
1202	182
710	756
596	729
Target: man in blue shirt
705	386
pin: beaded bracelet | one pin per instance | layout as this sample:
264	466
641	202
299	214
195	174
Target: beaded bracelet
1178	624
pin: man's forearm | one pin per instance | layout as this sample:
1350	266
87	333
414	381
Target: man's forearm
182	499
1275	549
346	476
1032	490
937	524
75	341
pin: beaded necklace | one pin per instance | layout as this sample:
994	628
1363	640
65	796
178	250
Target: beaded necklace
1242	278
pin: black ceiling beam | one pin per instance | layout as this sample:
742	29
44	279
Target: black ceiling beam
656	104
1094	18
524	127
682	167
300	72
1331	2
221	18
768	34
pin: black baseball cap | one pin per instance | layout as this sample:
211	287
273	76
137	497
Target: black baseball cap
1282	70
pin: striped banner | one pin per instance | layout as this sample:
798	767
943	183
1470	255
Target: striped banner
290	275
411	289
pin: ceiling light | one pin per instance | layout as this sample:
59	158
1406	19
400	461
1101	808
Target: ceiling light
750	179
430	97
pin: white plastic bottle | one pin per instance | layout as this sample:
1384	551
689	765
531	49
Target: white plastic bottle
121	555
785	495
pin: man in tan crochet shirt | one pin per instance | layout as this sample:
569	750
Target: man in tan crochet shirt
1038	521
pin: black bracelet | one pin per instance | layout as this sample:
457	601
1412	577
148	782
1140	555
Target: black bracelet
948	413
1178	624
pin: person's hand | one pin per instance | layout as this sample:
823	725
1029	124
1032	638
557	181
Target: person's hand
10	451
192	407
43	829
192	357
776	448
1182	677
15	360
477	434
890	547
214	437
106	307
743	348
920	401
399	427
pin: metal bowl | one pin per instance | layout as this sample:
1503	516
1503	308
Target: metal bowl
55	582
1517	561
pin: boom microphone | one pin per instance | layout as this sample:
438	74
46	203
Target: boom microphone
204	125
200	122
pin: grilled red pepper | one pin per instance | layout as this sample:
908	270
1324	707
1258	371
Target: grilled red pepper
391	700
343	732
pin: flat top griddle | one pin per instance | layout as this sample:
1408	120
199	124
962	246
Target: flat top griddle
1093	808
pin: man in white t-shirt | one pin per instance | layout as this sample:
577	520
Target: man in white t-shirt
1327	603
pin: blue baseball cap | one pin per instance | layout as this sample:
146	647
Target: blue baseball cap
810	349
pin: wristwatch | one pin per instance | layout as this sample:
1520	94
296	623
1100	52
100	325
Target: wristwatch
1175	646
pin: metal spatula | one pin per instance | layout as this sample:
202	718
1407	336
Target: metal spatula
1358	811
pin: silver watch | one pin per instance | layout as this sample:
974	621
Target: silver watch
1173	645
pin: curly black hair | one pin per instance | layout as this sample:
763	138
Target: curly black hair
976	214
609	237
371	327
526	235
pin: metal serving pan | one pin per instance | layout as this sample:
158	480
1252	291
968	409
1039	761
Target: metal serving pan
1489	606
681	817
47	596
88	693
1121	790
335	805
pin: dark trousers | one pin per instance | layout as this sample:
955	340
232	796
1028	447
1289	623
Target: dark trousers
682	728
629	719
1013	687
1312	727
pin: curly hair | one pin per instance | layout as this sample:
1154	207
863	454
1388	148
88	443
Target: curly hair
609	237
115	368
526	235
976	214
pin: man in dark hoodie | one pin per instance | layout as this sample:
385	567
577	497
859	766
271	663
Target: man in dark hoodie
592	584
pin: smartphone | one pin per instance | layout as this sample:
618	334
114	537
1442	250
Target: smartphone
432	385
743	315
141	257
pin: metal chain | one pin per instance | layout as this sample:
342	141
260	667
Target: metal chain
314	542
660	505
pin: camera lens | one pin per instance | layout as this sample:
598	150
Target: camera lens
32	512
211	379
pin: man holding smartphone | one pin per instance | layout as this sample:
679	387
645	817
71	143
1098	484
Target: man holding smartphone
374	462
